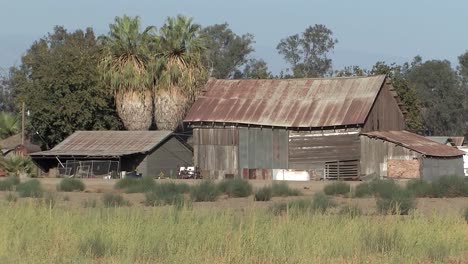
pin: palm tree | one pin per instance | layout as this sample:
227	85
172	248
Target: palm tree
18	166
179	71
9	125
127	54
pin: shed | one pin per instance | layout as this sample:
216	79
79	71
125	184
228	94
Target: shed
13	144
257	128
401	154
97	153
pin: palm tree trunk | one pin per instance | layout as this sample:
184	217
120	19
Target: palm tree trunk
135	109
170	107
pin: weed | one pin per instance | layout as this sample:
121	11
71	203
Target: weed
31	188
450	186
283	189
401	201
70	185
114	200
420	188
94	246
295	207
163	197
383	188
263	194
235	187
11	197
337	188
363	190
381	240
50	199
465	214
89	203
141	185
126	182
205	191
321	203
9	183
350	210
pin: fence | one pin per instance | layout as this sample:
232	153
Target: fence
90	169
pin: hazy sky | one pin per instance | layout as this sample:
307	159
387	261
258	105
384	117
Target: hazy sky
367	30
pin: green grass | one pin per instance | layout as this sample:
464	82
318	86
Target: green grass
205	191
400	201
263	194
362	190
9	183
450	186
283	189
420	188
38	234
235	187
321	203
11	197
167	193
71	185
31	188
337	188
136	185
114	200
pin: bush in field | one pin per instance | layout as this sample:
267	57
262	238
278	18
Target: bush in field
283	189
50	199
465	214
400	201
172	187
381	241
383	188
11	197
321	203
9	183
135	185
337	188
205	191
70	185
263	194
295	206
31	188
235	187
450	186
350	210
89	203
363	190
94	246
114	200
420	188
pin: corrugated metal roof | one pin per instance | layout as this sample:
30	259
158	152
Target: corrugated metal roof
10	143
107	143
416	143
288	103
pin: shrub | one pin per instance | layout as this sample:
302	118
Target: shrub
126	182
321	203
139	185
94	246
420	188
383	188
295	206
235	187
350	210
66	198
205	191
337	188
450	186
465	214
9	183
89	203
31	188
70	185
382	240
401	201
11	197
114	200
283	189
50	199
263	194
172	187
362	190
18	165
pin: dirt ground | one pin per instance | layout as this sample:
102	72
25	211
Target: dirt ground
95	188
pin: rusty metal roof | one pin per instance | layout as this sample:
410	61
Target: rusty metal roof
107	143
10	143
288	102
416	143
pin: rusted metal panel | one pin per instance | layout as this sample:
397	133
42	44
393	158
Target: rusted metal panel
385	113
216	136
416	143
404	169
107	143
298	103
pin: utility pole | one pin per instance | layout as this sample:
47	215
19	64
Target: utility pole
22	124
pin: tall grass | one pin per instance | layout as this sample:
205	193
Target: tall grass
9	183
38	234
205	191
70	185
337	188
235	187
31	188
136	185
283	189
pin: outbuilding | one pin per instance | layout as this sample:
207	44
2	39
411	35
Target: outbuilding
102	153
401	154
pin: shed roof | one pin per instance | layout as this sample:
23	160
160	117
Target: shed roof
454	141
10	143
298	103
416	143
107	143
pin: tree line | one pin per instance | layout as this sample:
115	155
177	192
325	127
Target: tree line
138	79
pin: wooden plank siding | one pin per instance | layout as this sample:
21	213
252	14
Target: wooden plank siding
385	114
306	148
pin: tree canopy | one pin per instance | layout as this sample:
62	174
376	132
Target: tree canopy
59	81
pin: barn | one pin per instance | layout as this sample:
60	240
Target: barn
258	129
101	153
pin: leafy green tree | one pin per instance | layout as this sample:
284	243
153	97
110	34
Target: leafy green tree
254	69
179	70
9	125
225	51
308	52
463	72
58	80
125	67
439	90
353	70
406	91
7	102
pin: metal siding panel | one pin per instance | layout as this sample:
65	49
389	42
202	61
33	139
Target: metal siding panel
243	148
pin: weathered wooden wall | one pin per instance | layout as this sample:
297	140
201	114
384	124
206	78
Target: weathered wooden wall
375	154
385	113
216	151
